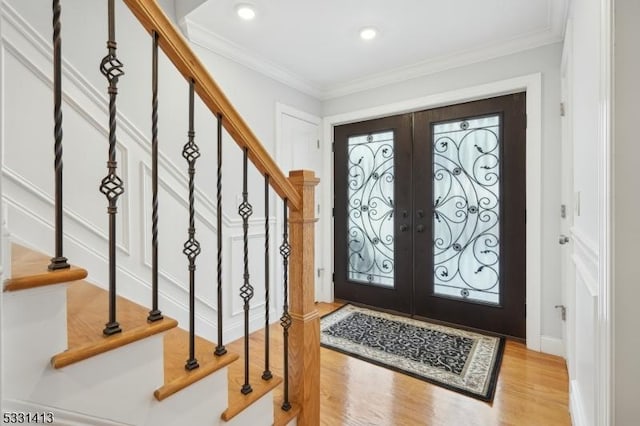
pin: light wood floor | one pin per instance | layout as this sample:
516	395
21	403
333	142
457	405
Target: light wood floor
532	390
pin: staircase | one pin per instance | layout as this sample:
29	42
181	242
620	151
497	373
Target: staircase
75	349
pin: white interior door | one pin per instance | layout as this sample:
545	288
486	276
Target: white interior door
567	212
299	148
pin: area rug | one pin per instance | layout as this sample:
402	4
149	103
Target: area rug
463	361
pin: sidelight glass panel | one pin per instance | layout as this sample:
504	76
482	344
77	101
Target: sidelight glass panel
466	206
370	231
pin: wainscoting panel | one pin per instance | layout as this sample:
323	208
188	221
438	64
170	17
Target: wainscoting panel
582	389
27	171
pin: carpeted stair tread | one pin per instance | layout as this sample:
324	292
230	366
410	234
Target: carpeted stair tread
87	313
176	353
281	417
237	401
29	270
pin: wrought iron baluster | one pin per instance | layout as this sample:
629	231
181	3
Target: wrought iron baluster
246	291
112	186
220	349
59	261
266	375
191	152
154	313
285	319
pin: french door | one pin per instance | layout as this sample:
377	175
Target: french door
430	214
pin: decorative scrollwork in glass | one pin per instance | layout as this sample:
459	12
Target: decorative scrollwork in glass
466	209
370	236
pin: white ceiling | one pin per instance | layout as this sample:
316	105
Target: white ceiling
314	45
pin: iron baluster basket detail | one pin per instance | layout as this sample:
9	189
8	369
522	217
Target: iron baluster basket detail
285	319
220	349
58	261
266	375
191	249
154	314
246	291
112	186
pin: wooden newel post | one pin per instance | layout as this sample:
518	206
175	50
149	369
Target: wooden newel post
304	344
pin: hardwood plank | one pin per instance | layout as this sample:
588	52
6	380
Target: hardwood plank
29	270
87	313
176	352
281	417
532	389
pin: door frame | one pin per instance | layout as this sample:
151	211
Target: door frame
532	84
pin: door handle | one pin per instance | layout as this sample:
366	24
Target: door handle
563	239
420	228
404	227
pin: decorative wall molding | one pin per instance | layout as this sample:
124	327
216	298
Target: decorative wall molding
585	259
79	85
29	203
19	180
203	37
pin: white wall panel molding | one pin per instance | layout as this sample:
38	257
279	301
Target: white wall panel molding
80	94
88	225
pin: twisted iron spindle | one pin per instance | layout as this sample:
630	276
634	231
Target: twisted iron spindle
112	186
246	291
154	313
191	152
59	261
285	319
220	349
266	375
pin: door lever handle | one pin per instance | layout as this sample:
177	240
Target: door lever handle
404	227
420	228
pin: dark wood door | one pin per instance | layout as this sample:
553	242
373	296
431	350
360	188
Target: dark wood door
469	198
430	214
373	203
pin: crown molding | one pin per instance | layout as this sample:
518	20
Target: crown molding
202	37
553	33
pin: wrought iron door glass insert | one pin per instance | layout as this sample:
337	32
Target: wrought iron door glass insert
466	209
370	236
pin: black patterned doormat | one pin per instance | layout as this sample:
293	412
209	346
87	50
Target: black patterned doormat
463	361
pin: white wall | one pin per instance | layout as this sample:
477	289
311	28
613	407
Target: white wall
27	164
626	238
545	60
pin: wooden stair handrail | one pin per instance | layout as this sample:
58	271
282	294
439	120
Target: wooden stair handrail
177	49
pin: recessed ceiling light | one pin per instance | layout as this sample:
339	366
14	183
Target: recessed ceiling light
246	12
368	33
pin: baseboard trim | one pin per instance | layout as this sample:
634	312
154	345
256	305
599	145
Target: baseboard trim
552	345
61	417
576	408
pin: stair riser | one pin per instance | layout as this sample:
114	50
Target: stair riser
260	413
198	404
34	326
116	385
